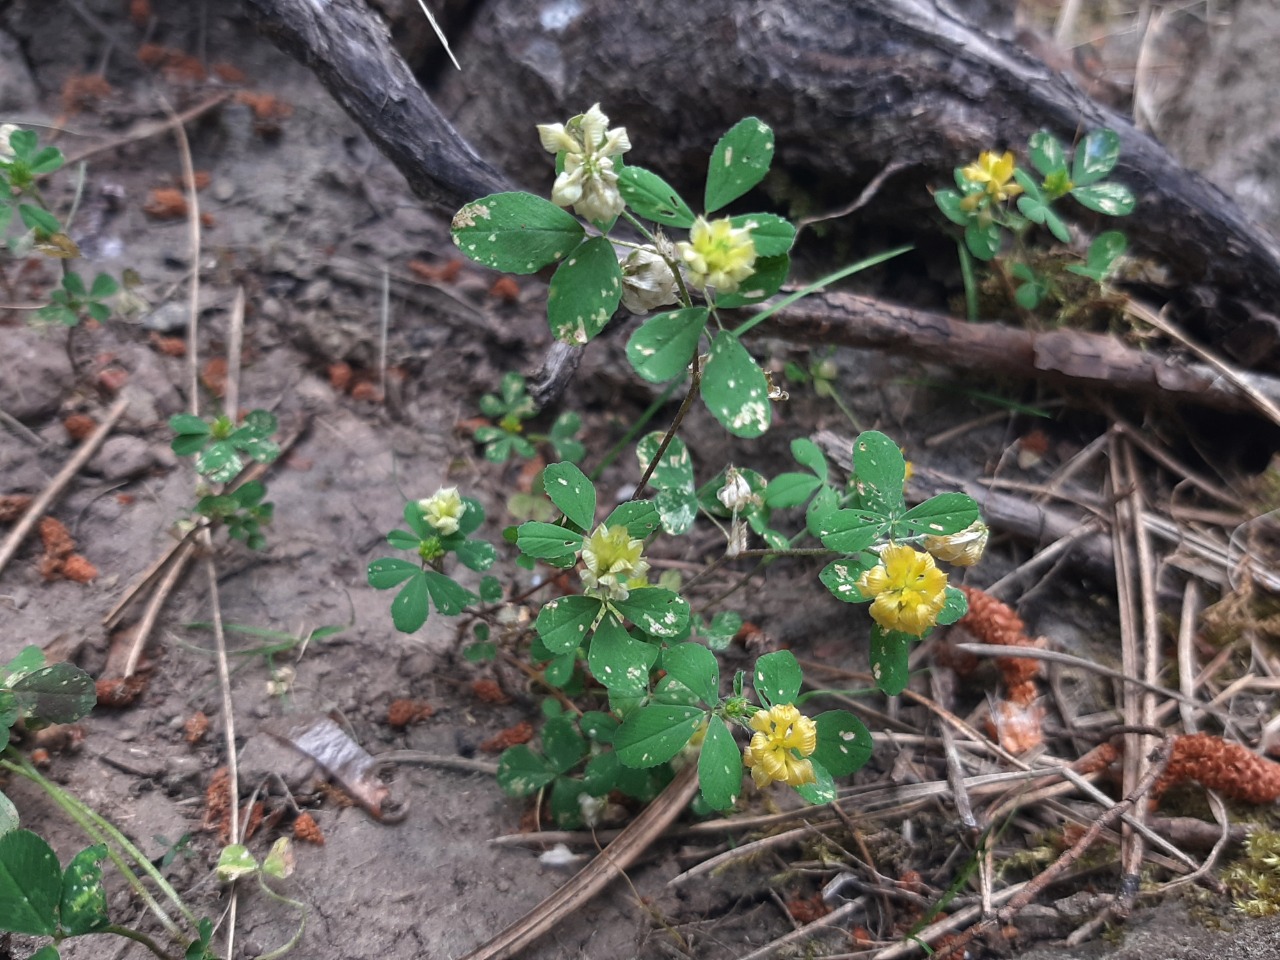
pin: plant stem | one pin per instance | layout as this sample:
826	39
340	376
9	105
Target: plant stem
970	282
649	413
695	386
137	936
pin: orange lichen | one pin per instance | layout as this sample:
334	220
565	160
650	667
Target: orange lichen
401	713
505	289
166	203
196	727
306	830
84	91
169	346
367	391
522	732
489	691
229	73
340	374
60	558
1231	768
214	376
178	67
12	506
445	272
808	909
79	426
268	111
120	692
1015	719
217	804
1018	727
78	569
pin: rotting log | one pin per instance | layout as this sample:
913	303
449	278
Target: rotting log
847	88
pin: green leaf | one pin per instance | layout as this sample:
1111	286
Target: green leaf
46	161
401	539
822	506
8	812
734	388
188	424
771	234
391	571
600	776
476	555
739	161
640	517
656	733
695	666
1096	156
620	661
777	678
823	790
23	143
84	901
939	516
410	608
879	471
949	202
562	744
571	492
60	693
658	612
809	454
720	767
889	649
651	197
790	490
955	607
559	671
471	517
481	652
521	772
1113	199
515	232
844	744
547	541
598	726
770	274
584	292
724	626
490	590
37	218
72	283
29	660
841	576
851	531
104	285
417	521
1037	208
983	240
563	623
677	499
566	811
219	463
30	884
447	594
1047	155
663	346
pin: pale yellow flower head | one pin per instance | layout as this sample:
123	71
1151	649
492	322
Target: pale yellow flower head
718	255
588	183
908	590
964	548
995	171
613	564
443	510
783	738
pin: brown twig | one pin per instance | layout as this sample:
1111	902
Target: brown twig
55	486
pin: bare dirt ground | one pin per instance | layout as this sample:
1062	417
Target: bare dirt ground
308	219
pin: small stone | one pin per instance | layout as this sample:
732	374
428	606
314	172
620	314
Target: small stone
37	373
167	318
224	190
123	458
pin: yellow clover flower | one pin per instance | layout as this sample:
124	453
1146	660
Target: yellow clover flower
588	182
995	171
443	510
613	563
718	255
783	738
964	548
908	590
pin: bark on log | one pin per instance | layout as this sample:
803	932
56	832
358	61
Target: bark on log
1069	358
846	86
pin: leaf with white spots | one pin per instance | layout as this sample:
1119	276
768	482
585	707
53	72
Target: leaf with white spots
777	678
571	492
850	531
84	901
562	744
939	516
619	660
695	666
844	744
61	693
772	235
720	767
739	161
640	517
30	884
955	607
8	812
734	388
770	274
515	232
449	596
656	733
563	623
412	605
879	471
663	346
656	611
823	790
522	772
889	650
677	498
841	576
651	197
584	292
547	541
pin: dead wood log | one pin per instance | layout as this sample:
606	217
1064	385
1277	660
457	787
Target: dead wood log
1069	358
846	86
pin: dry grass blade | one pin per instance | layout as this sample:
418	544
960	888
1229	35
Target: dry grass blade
55	487
839	915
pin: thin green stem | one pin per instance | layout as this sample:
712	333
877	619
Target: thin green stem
137	936
817	285
970	282
302	923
